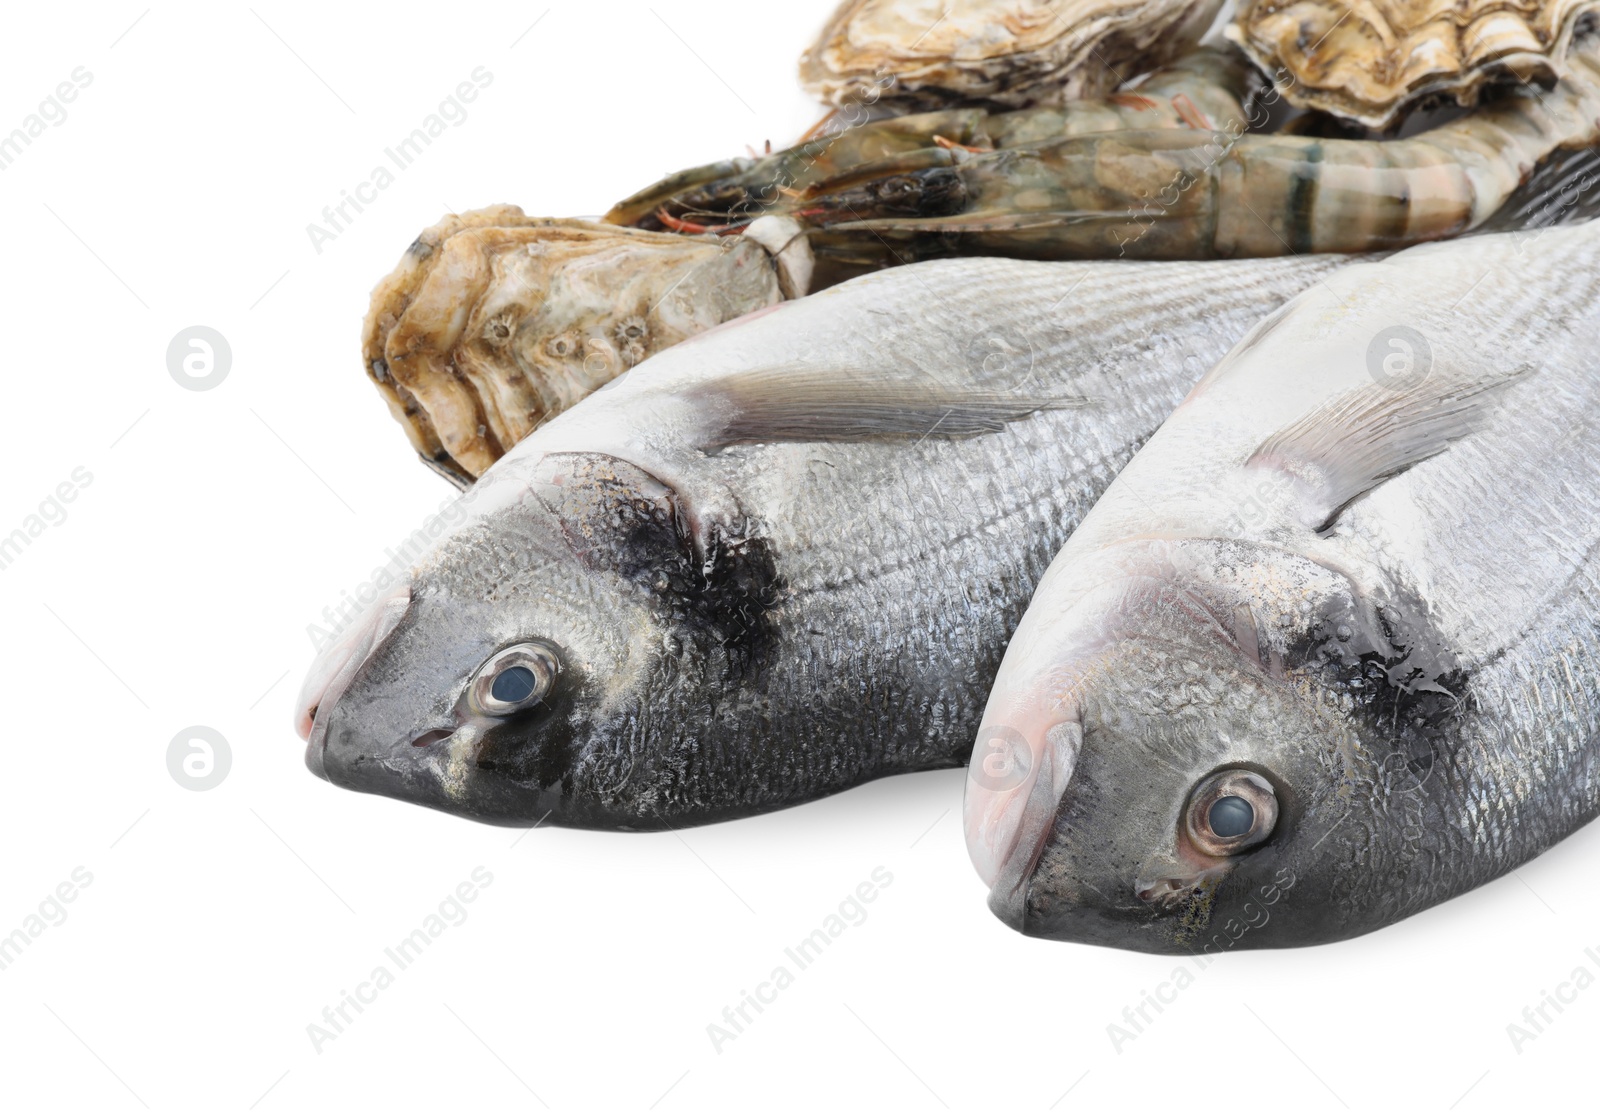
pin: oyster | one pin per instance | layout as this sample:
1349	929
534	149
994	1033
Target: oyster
494	322
925	54
1372	61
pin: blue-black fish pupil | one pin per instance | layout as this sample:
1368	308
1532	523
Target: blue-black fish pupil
513	685
1231	816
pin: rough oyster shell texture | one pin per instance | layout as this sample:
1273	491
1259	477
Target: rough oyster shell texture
1370	61
1012	53
494	322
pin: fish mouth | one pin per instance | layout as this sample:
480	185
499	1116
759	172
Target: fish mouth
336	665
1014	788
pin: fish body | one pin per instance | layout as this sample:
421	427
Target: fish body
774	561
1323	656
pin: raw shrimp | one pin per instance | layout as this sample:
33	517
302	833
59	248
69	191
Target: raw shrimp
1188	195
1204	90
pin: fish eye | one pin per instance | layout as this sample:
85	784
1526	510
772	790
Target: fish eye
514	679
514	684
1231	811
1229	817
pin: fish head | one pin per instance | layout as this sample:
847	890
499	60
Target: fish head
1154	774
514	673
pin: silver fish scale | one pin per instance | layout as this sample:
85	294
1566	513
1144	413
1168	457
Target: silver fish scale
1500	536
1152	336
1528	772
902	563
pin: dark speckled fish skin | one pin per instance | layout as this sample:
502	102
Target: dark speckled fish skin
757	603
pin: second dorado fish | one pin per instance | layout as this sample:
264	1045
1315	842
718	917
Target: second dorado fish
1323	656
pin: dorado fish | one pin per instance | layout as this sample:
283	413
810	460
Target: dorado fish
778	559
1323	655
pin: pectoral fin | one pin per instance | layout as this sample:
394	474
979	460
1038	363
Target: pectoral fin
1361	438
788	405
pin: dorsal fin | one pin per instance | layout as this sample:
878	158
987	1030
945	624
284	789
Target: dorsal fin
1558	192
1363	437
806	405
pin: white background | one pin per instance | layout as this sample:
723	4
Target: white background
219	524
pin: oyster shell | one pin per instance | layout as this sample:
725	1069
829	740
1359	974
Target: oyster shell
494	322
925	54
1372	61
